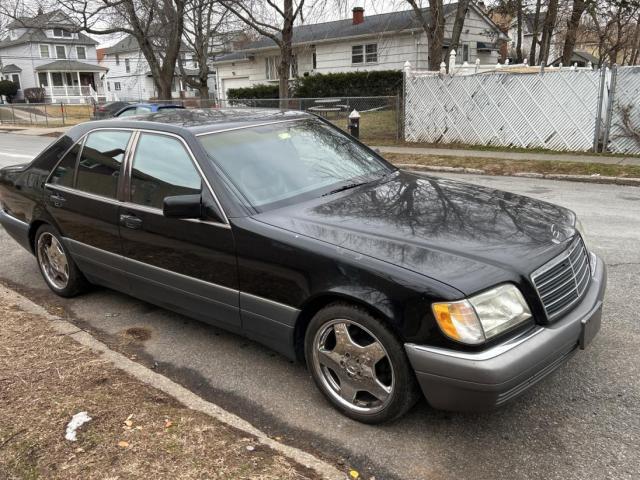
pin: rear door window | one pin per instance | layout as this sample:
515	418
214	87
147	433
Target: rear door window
63	174
101	162
161	168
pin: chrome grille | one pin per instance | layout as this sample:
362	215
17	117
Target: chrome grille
561	283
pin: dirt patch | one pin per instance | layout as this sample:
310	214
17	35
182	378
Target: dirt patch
135	431
139	334
496	166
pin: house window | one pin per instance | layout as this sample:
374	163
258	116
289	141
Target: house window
61	52
44	51
61	33
81	53
108	86
465	52
364	54
116	86
15	78
43	79
117	59
194	60
314	60
183	59
127	66
271	67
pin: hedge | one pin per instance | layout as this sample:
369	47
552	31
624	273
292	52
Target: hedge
348	84
257	91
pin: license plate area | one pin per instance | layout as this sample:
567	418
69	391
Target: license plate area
590	326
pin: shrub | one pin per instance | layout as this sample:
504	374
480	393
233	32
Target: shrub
34	94
350	84
257	91
8	89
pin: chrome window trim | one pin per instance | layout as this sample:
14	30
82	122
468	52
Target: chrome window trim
483	355
75	191
244	127
193	160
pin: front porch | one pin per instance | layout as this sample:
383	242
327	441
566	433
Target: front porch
71	82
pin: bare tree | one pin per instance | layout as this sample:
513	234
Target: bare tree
548	30
573	24
519	20
458	24
205	22
157	26
535	33
612	23
276	22
433	25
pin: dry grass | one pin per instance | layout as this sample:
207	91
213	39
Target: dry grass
135	431
509	167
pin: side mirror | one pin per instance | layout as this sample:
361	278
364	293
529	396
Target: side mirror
182	206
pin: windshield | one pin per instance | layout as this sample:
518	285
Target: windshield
278	164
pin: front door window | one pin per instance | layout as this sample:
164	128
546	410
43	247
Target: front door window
57	79
43	79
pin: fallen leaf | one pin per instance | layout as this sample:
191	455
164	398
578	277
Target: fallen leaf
128	423
354	474
167	423
123	444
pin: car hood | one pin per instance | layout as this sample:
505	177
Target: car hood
461	234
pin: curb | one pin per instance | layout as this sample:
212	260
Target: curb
180	393
634	182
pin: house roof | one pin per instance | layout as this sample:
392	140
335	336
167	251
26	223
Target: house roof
373	25
38	36
130	44
55	18
11	68
579	56
71	66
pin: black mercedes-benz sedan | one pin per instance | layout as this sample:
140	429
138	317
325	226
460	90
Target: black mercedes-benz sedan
279	226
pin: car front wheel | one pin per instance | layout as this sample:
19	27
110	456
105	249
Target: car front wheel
359	364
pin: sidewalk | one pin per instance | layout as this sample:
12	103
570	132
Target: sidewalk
34	131
506	155
139	424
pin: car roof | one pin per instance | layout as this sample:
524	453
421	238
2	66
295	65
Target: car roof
197	121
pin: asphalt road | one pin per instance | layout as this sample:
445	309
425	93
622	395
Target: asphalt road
581	422
15	148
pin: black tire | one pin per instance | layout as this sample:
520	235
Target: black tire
76	282
404	388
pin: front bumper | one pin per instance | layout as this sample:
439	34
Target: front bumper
462	381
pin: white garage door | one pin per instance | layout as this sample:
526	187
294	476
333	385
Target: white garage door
240	82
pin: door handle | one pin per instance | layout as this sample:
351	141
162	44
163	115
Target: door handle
131	221
57	199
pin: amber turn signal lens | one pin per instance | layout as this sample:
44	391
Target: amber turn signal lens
458	320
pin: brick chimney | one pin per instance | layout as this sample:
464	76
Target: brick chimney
358	15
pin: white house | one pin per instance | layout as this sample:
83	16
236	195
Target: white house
129	76
45	51
376	42
527	36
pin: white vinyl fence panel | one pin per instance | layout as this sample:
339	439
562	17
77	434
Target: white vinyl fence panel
554	110
624	134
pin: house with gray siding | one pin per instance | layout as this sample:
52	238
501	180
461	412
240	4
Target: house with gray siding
47	51
376	42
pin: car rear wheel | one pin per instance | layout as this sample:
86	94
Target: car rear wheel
359	364
56	265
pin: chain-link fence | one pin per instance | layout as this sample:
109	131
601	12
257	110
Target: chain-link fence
624	127
380	117
45	114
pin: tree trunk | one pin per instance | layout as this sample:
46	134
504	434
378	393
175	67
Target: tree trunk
286	53
547	30
519	56
458	25
536	31
573	24
435	33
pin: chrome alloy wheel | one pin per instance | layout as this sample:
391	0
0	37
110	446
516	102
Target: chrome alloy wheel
353	366
53	261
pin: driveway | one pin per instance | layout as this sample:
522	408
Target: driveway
582	422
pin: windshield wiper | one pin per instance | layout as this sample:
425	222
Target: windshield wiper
348	186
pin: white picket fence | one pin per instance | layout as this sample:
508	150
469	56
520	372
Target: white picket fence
565	109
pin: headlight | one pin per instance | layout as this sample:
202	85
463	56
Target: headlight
482	316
